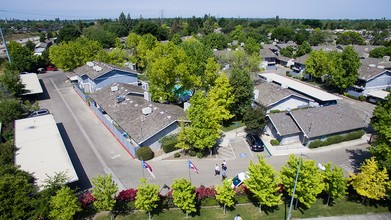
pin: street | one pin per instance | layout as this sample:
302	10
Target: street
94	150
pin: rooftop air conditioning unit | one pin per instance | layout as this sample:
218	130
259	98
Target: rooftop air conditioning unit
90	64
114	88
120	99
147	110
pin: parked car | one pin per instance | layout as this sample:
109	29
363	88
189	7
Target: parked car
239	179
256	144
41	70
51	68
39	112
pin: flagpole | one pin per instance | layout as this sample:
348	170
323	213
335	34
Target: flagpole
188	169
142	167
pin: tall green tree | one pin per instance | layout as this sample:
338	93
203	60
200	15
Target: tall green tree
147	42
104	192
7	151
371	182
147	197
220	98
317	64
17	193
21	57
251	46
255	118
184	195
347	73
381	123
263	183
304	48
64	205
204	128
309	183
335	182
350	38
97	33
68	56
243	91
10	109
68	33
10	83
225	194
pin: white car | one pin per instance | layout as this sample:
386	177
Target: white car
239	179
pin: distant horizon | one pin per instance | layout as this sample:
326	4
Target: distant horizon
252	9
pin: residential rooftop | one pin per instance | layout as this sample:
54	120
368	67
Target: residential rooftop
369	72
95	69
31	82
333	119
129	115
302	88
284	123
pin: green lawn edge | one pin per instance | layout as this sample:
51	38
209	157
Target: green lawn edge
249	211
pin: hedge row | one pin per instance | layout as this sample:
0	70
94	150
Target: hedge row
168	143
337	139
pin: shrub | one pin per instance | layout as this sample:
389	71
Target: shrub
192	153
337	139
169	145
127	195
199	154
176	155
145	153
86	199
351	96
203	192
362	98
274	142
275	111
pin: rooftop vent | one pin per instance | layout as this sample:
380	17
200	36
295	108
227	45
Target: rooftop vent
120	99
372	65
97	68
147	110
90	64
114	88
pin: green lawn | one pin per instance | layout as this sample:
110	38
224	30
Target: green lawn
249	211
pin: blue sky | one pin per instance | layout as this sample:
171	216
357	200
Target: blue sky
91	9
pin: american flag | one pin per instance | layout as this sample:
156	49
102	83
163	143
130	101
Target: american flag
192	166
149	168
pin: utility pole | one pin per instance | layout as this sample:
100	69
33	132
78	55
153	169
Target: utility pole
5	45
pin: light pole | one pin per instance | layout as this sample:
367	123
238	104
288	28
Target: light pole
320	166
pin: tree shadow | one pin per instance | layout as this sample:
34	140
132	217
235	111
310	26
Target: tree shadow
357	156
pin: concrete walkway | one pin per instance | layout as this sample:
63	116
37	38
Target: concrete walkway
378	216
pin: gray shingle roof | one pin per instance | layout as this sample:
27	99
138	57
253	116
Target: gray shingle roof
128	114
376	61
270	93
368	72
284	123
266	52
317	122
105	68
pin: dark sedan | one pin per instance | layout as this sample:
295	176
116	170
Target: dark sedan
255	142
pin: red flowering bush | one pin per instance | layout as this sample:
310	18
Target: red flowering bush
86	199
127	195
242	190
203	192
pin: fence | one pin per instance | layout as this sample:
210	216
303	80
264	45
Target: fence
120	137
80	92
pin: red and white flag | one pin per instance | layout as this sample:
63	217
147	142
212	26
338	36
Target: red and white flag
192	166
149	168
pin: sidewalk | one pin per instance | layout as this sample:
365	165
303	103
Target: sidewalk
378	216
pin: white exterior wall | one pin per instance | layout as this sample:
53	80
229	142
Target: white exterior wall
290	139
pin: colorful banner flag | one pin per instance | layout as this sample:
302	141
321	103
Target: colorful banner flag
149	168
192	166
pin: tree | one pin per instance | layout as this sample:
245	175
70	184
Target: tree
147	42
68	33
64	204
304	48
284	34
255	118
220	99
184	195
105	38
30	45
104	192
381	123
317	37
17	193
7	151
225	194
204	128
215	41
371	182
241	60
147	197
350	38
68	56
251	46
287	51
42	37
335	182
10	83
243	91
317	64
309	183
347	73
263	183
10	109
21	57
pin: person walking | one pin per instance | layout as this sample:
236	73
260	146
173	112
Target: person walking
224	165
223	174
217	170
